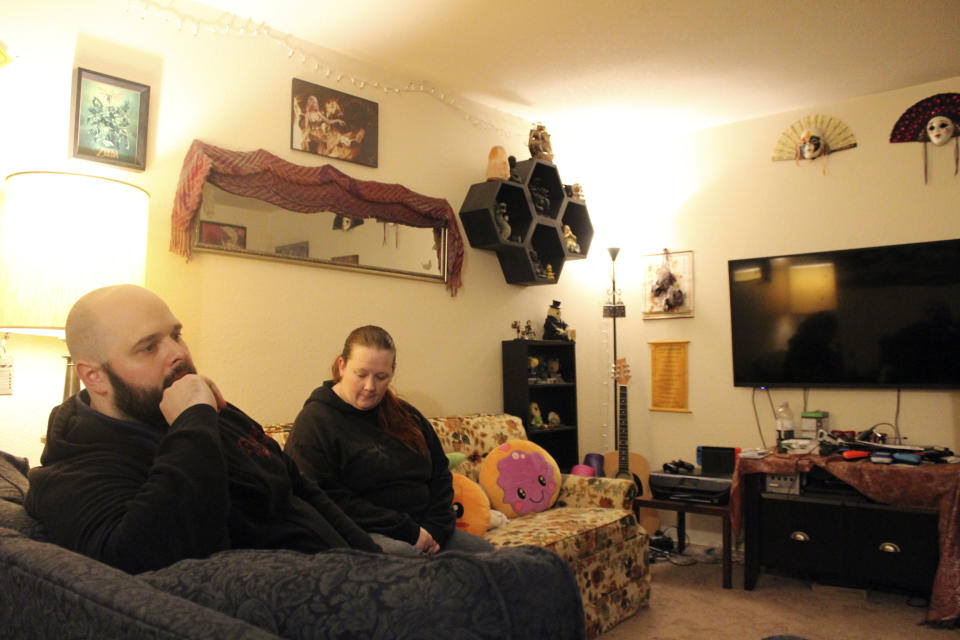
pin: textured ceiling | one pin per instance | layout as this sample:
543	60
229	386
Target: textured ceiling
697	62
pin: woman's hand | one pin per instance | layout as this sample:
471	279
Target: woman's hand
426	544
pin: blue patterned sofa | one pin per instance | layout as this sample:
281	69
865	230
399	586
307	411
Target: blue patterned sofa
49	592
591	526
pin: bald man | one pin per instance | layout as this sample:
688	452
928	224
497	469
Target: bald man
149	465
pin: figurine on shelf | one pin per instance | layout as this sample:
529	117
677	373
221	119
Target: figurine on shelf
574	191
540	195
515	325
553	369
568	235
536	420
498	168
528	332
548	272
503	221
553	327
533	369
539	144
553	419
514	176
538	270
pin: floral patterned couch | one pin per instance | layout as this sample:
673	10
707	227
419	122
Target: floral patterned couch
591	526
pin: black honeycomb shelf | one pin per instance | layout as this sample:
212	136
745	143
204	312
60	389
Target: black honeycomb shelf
524	221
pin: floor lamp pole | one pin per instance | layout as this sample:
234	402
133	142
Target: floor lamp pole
614	310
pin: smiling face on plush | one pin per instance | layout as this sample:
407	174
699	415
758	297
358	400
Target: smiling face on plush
471	505
520	477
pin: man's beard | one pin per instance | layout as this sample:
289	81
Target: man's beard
143	405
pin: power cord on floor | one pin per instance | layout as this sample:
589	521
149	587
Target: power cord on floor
662	547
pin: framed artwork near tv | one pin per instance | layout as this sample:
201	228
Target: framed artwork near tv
334	124
668	285
110	120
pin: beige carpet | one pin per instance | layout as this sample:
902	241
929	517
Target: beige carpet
688	603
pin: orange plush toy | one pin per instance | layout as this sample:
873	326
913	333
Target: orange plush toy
471	505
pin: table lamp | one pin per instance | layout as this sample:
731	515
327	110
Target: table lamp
62	235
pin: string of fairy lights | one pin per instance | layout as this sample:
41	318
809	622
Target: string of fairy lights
231	24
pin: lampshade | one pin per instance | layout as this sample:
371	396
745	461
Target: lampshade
62	235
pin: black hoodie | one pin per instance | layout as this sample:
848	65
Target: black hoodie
383	486
141	497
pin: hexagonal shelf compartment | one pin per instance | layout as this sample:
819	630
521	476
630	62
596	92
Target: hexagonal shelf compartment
523	220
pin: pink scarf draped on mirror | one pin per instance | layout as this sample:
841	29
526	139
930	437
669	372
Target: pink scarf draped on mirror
260	174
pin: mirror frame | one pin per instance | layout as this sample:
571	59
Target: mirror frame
260	174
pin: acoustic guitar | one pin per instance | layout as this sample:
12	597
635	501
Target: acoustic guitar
631	466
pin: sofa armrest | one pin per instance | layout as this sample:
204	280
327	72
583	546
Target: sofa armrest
611	493
51	592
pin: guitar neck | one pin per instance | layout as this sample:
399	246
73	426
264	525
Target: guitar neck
623	446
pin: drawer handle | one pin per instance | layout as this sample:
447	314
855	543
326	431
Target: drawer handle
889	547
799	536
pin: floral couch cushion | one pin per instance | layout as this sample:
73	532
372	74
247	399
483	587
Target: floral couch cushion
476	435
591	526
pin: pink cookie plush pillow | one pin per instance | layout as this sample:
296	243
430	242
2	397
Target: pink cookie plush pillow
520	477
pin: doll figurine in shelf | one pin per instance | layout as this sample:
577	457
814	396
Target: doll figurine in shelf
536	420
553	327
572	244
553	369
503	221
553	419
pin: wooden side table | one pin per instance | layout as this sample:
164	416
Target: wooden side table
682	508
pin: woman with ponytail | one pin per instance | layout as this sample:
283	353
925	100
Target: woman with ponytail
376	456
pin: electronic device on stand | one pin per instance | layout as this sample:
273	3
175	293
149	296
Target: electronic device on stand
621	463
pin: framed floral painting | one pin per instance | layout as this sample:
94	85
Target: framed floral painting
110	120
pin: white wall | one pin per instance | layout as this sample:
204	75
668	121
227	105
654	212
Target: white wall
722	196
266	332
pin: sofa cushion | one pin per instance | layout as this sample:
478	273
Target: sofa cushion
13	478
475	435
13	491
572	533
49	592
353	594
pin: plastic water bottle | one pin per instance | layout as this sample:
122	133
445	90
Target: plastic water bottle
785	429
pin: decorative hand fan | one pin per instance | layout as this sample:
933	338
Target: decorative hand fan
812	136
933	119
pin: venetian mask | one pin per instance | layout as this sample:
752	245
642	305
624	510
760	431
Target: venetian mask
940	129
811	144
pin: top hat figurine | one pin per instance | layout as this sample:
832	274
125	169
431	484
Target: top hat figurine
553	327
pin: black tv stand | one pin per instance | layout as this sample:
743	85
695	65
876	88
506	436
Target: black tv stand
833	534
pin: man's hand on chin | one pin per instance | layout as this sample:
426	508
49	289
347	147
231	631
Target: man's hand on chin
190	390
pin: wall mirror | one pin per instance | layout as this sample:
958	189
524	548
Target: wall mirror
255	204
230	223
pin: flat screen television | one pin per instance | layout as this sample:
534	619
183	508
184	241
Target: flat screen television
876	317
